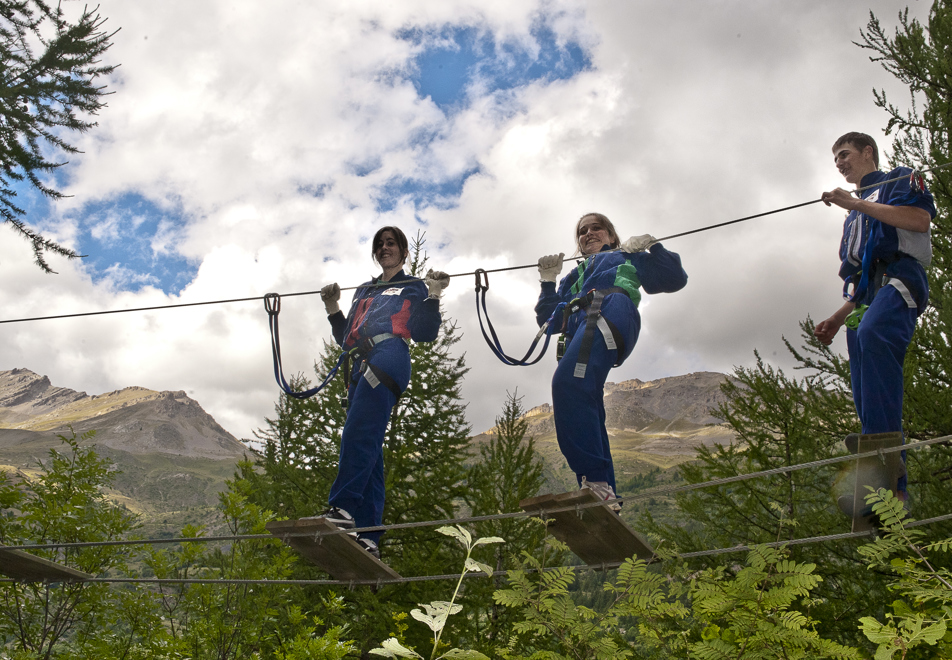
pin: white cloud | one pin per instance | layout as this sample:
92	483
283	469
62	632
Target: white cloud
252	120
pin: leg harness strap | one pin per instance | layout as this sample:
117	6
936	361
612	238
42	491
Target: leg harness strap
374	375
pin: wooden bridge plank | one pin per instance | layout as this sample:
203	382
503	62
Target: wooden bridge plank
338	554
23	566
597	535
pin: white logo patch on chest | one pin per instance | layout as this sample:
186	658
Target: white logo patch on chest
874	196
393	291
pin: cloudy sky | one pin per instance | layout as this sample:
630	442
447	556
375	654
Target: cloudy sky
254	147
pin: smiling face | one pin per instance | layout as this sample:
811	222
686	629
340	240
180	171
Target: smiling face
593	232
853	163
388	252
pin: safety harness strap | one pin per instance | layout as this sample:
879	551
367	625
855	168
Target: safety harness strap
272	305
482	285
592	304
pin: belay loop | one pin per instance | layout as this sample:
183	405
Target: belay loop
272	305
482	286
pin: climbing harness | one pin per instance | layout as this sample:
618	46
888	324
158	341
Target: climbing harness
272	305
592	304
375	375
482	286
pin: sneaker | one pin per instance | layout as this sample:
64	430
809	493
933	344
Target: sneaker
369	546
338	517
603	491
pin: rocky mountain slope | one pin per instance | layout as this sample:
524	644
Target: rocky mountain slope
656	424
172	456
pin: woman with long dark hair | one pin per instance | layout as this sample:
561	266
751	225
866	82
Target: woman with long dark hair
386	314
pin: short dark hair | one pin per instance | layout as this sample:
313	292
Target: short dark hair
400	237
860	141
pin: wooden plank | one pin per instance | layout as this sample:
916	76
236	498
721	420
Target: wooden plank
338	554
25	567
597	535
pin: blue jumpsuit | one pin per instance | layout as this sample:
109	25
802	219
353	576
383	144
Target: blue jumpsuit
401	308
877	348
578	402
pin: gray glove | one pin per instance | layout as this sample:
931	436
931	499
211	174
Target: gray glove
550	266
436	281
330	294
638	243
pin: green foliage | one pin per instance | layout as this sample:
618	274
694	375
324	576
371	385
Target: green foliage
437	612
66	504
782	421
50	66
923	616
225	620
759	611
508	471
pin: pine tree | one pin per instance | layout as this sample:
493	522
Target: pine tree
424	453
508	470
782	421
919	56
50	67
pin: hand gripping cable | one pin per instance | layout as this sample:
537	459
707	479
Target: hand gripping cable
482	285
272	305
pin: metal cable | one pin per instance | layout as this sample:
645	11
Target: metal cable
490	270
542	512
455	576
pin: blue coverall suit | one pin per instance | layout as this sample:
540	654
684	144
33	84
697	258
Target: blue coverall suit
400	308
578	402
877	348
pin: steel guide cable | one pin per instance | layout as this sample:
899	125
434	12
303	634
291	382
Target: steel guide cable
489	270
455	576
668	490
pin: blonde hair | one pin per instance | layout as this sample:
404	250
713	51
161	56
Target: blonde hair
614	241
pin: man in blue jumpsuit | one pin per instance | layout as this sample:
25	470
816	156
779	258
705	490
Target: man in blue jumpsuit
885	249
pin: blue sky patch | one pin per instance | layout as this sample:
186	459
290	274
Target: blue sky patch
455	62
132	241
439	194
455	58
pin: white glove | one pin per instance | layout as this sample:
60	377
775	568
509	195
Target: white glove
330	294
550	266
436	281
638	243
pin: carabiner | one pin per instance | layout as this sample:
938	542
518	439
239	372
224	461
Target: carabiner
917	182
484	284
272	303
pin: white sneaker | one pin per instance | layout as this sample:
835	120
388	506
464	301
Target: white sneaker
603	491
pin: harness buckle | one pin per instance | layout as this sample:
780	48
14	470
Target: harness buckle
560	348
